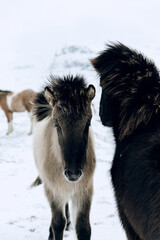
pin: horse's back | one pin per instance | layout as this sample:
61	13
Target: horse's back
20	102
27	96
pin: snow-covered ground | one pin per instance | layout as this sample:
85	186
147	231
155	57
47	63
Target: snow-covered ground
24	212
44	37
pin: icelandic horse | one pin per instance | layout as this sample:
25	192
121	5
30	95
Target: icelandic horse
11	102
64	153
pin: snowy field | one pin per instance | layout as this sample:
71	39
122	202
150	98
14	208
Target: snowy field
24	212
44	37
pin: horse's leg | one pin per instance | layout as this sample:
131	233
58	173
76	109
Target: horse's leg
11	122
31	118
9	116
81	208
57	223
51	237
67	217
58	216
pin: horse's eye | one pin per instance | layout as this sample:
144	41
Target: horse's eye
57	126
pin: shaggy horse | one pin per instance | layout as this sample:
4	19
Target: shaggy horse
16	102
63	151
130	104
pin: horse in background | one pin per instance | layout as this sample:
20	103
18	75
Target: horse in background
11	102
64	153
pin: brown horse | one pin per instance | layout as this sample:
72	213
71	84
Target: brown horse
16	102
64	152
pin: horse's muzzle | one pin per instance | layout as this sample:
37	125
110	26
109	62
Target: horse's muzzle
74	175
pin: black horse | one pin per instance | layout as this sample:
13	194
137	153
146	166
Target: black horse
130	104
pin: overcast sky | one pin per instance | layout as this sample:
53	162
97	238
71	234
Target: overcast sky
31	29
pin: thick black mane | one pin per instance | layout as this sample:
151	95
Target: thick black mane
42	109
69	92
132	84
121	67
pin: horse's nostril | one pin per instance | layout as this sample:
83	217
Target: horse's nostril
73	175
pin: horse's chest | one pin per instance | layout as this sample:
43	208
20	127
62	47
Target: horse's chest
57	183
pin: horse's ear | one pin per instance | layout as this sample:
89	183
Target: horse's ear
49	95
91	91
94	63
